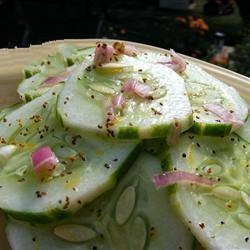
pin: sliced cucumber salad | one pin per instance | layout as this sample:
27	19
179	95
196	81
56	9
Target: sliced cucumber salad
213	213
132	216
116	148
87	100
208	97
87	166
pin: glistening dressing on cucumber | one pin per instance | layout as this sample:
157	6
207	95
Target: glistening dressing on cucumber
132	216
87	167
217	215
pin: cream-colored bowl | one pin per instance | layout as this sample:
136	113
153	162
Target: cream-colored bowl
12	61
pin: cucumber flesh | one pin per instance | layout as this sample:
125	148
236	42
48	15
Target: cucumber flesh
203	88
141	118
244	131
150	224
218	216
52	66
7	110
89	165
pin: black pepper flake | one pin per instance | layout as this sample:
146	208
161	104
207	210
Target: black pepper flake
222	222
94	248
152	231
202	225
106	165
191	137
161	103
198	145
244	146
232	139
156	112
231	111
4	120
48	62
184	155
139	70
60	201
82	157
246	239
79	202
74	139
99	126
115	159
40	194
99	213
218	120
33	239
197	117
88	68
66	203
53	93
1	186
213	151
21	180
92	97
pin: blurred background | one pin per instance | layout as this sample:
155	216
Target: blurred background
217	31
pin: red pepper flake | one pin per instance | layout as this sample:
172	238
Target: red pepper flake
202	225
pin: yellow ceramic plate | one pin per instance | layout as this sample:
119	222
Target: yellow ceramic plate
12	61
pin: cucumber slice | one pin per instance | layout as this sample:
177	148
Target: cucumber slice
244	131
148	221
218	216
9	109
52	66
203	88
82	107
88	166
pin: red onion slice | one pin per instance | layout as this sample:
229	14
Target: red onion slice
44	159
126	49
177	63
53	80
223	113
118	101
173	177
130	50
140	89
103	54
